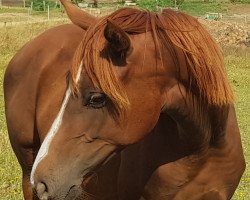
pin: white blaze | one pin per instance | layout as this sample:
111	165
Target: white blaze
44	149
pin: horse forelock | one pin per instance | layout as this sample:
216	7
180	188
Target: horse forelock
170	30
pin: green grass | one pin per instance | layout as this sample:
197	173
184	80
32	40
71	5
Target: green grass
238	66
193	7
23	14
13	10
12	38
196	8
201	8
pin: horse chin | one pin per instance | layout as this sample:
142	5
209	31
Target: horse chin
90	179
78	192
88	182
81	191
73	193
93	172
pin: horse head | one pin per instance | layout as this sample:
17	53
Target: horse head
129	68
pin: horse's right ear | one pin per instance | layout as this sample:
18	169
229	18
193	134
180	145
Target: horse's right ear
78	16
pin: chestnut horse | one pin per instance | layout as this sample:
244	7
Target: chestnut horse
76	94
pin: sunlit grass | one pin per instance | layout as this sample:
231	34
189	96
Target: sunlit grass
12	39
238	65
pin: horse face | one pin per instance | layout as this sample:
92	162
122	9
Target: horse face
87	130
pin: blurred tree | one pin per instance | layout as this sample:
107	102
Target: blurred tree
95	3
40	5
76	1
179	2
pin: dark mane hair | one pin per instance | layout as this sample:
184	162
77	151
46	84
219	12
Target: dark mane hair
170	29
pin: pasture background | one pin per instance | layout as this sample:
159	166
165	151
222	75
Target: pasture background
12	38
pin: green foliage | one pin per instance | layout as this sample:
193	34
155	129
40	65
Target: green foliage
40	5
178	2
198	8
240	1
153	4
77	1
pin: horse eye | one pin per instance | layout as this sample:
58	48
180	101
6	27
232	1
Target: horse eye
96	100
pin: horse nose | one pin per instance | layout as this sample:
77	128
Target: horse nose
42	191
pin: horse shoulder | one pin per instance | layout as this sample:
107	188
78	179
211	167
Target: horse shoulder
29	69
213	175
35	69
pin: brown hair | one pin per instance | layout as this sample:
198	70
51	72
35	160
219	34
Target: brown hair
171	29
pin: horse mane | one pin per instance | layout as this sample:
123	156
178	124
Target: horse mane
170	29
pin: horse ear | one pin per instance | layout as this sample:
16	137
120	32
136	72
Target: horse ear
119	42
78	16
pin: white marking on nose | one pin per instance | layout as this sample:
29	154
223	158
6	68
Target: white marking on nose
44	149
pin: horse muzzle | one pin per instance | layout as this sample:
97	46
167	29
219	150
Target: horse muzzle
60	174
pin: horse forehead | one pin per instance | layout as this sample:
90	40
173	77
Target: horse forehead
85	80
141	40
143	47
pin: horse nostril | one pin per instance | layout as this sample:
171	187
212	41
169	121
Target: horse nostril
42	191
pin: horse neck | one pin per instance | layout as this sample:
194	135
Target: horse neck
199	124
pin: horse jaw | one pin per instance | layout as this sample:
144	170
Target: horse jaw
78	16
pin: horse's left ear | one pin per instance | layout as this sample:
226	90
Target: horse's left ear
78	16
118	41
